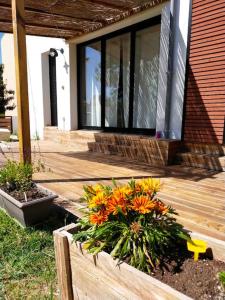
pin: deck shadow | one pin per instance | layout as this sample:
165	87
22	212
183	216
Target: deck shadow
174	171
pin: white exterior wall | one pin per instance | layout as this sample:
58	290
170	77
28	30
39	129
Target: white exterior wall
172	68
38	80
181	14
163	78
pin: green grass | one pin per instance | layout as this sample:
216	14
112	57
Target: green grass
27	262
222	278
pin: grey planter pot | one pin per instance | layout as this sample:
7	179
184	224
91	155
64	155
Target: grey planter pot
29	213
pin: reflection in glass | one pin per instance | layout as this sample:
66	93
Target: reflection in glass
91	85
146	77
117	81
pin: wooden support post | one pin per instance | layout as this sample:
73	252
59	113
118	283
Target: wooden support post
19	33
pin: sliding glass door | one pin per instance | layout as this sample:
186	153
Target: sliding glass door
90	96
118	79
146	77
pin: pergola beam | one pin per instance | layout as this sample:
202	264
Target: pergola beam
19	34
34	26
110	5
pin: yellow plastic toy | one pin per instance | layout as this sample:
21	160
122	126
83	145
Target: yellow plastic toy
196	246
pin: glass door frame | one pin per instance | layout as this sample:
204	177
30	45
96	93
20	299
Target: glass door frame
132	30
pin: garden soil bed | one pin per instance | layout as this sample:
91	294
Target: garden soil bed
179	278
198	280
33	194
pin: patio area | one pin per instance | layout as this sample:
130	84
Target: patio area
198	195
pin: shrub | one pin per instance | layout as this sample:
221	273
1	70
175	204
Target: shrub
16	176
130	222
6	96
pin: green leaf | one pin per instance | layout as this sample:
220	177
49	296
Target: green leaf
148	256
116	248
114	182
185	236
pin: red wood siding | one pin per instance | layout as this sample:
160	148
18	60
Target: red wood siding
205	94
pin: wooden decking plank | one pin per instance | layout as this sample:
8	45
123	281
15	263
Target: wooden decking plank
191	225
182	205
198	195
195	197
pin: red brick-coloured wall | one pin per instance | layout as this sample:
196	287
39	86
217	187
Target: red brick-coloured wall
205	94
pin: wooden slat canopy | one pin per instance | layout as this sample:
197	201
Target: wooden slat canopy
71	18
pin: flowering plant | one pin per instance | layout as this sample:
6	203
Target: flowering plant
130	222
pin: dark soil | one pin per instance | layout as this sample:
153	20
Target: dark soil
32	194
198	280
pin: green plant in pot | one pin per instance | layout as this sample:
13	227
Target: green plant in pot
16	176
20	197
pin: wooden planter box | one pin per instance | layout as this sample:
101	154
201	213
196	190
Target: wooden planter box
82	276
29	213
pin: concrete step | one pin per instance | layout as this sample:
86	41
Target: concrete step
76	138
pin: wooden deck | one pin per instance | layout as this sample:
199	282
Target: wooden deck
198	195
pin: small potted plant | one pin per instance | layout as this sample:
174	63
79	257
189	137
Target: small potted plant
20	196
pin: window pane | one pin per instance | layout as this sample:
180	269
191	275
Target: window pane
146	77
91	85
117	81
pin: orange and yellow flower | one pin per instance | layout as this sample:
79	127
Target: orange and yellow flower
99	217
138	187
99	199
128	191
136	196
122	191
161	208
97	188
117	203
94	189
150	185
142	204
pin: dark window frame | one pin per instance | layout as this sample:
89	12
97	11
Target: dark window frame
53	90
102	39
